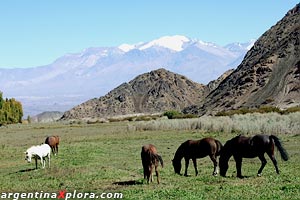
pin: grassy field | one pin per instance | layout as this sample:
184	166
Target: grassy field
106	158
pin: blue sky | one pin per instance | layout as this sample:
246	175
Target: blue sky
35	33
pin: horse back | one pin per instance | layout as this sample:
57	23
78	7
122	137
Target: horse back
250	147
149	155
201	148
57	139
52	140
149	148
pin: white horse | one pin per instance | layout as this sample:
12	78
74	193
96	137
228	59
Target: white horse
38	152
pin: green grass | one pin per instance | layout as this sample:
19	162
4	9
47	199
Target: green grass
104	157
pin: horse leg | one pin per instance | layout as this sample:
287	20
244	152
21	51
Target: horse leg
187	160
272	157
157	174
263	164
42	162
150	173
195	165
56	149
52	149
238	165
145	171
49	159
35	162
214	160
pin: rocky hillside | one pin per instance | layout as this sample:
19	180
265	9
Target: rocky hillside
156	91
268	75
212	85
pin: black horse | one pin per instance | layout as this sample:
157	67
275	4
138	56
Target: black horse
193	149
250	147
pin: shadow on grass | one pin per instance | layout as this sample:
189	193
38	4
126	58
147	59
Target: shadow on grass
26	170
131	182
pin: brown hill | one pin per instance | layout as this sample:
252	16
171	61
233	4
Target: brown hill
268	75
156	91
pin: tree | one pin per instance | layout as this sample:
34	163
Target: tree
11	111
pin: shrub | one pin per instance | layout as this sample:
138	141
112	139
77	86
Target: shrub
172	114
251	123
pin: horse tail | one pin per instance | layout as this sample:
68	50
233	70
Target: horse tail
158	158
219	147
279	146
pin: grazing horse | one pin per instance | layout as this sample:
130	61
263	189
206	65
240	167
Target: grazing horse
250	147
38	152
193	149
53	142
150	159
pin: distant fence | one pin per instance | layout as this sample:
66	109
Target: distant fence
254	123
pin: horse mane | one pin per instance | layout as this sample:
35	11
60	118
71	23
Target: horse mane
180	151
226	149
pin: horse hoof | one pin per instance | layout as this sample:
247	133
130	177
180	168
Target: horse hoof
259	175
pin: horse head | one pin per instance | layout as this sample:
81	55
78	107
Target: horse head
177	166
225	154
28	156
223	164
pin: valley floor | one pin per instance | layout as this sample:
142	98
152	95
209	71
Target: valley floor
106	158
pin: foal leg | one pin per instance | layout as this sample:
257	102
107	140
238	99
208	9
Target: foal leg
157	174
195	165
150	174
145	172
187	160
263	164
272	157
214	160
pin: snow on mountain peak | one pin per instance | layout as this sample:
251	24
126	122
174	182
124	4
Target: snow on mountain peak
126	47
251	44
171	42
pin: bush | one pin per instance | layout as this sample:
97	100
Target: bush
262	109
172	114
251	123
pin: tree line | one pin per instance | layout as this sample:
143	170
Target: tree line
11	111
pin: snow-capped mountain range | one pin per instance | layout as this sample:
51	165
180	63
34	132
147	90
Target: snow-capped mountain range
75	78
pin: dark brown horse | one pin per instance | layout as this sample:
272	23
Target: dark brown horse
150	159
250	147
53	142
193	149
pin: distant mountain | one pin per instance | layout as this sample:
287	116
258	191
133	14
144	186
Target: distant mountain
153	92
47	117
268	75
75	78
